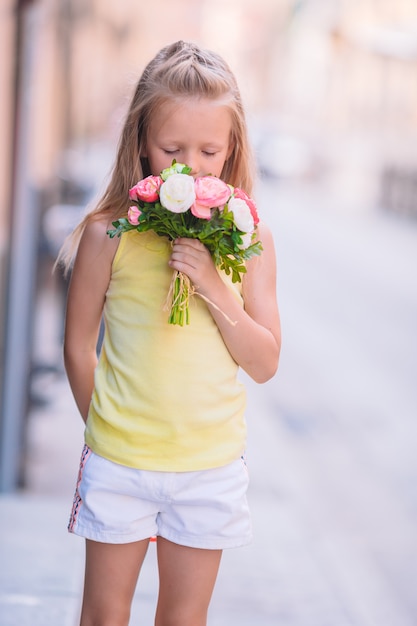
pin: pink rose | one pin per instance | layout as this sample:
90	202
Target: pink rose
210	192
242	195
146	189
133	215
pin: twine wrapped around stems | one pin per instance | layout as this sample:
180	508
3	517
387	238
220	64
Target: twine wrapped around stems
178	299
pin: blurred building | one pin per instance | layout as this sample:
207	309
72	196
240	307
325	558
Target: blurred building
330	87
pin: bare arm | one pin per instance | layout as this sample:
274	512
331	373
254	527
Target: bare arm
255	340
86	295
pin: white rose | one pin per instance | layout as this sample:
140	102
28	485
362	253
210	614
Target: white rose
177	193
242	215
246	241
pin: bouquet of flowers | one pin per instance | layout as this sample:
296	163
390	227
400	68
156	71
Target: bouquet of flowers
175	204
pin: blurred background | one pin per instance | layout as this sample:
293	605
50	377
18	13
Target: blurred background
330	88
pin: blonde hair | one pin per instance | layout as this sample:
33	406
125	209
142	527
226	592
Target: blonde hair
179	70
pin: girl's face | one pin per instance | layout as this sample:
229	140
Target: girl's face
194	131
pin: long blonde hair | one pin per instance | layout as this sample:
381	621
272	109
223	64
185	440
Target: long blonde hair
181	69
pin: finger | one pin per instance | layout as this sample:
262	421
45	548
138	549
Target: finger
184	251
183	255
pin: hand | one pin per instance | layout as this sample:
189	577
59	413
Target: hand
191	257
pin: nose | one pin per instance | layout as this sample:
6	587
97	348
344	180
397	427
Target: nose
193	161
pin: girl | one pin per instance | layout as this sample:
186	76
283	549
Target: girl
164	411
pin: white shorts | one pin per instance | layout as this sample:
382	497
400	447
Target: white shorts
204	509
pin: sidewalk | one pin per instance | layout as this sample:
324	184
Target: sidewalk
41	579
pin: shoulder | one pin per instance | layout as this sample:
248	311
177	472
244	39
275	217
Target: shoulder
91	274
96	228
96	249
265	233
96	239
267	256
261	271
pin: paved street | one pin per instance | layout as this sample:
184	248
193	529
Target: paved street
331	445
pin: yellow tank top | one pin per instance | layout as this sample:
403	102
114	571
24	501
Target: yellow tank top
166	397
